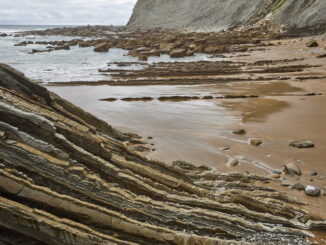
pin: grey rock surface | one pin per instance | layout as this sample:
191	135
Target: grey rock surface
221	14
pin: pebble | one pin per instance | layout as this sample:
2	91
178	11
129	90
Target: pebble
255	141
225	148
275	176
292	169
302	144
312	190
297	186
276	171
312	173
239	132
232	162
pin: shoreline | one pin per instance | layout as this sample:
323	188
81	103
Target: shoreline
274	98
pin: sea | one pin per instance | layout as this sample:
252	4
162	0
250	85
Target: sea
77	64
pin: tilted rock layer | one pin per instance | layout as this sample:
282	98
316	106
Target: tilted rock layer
66	177
202	14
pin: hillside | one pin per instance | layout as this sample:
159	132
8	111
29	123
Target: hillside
306	15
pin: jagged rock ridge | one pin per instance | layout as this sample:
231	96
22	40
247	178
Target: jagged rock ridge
67	178
220	14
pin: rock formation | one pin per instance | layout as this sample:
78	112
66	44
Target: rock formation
67	177
220	14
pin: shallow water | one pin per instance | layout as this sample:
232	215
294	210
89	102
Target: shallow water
77	64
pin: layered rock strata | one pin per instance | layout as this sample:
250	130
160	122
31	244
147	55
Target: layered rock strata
67	177
220	14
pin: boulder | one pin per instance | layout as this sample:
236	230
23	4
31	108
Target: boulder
3	34
102	47
292	169
177	53
312	190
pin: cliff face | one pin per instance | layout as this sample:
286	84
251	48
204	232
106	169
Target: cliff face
228	13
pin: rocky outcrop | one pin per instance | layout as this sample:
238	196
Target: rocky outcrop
66	177
218	14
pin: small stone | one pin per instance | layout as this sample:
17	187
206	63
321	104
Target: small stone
321	177
232	162
275	176
297	186
276	171
143	57
149	137
302	144
289	182
312	173
312	44
312	190
10	142
239	131
255	141
2	134
225	148
292	169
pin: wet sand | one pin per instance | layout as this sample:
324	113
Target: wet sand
198	131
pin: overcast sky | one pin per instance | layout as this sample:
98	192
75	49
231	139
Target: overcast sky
56	12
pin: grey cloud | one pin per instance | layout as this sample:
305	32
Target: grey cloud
75	12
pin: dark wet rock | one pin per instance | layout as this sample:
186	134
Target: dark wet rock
239	131
292	169
312	190
232	162
109	99
3	34
23	43
255	141
312	44
302	144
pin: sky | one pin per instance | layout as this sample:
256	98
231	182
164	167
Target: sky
65	12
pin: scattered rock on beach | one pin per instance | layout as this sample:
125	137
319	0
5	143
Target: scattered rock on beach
297	186
312	190
177	53
232	162
255	141
312	44
312	173
292	169
102	47
239	131
302	144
